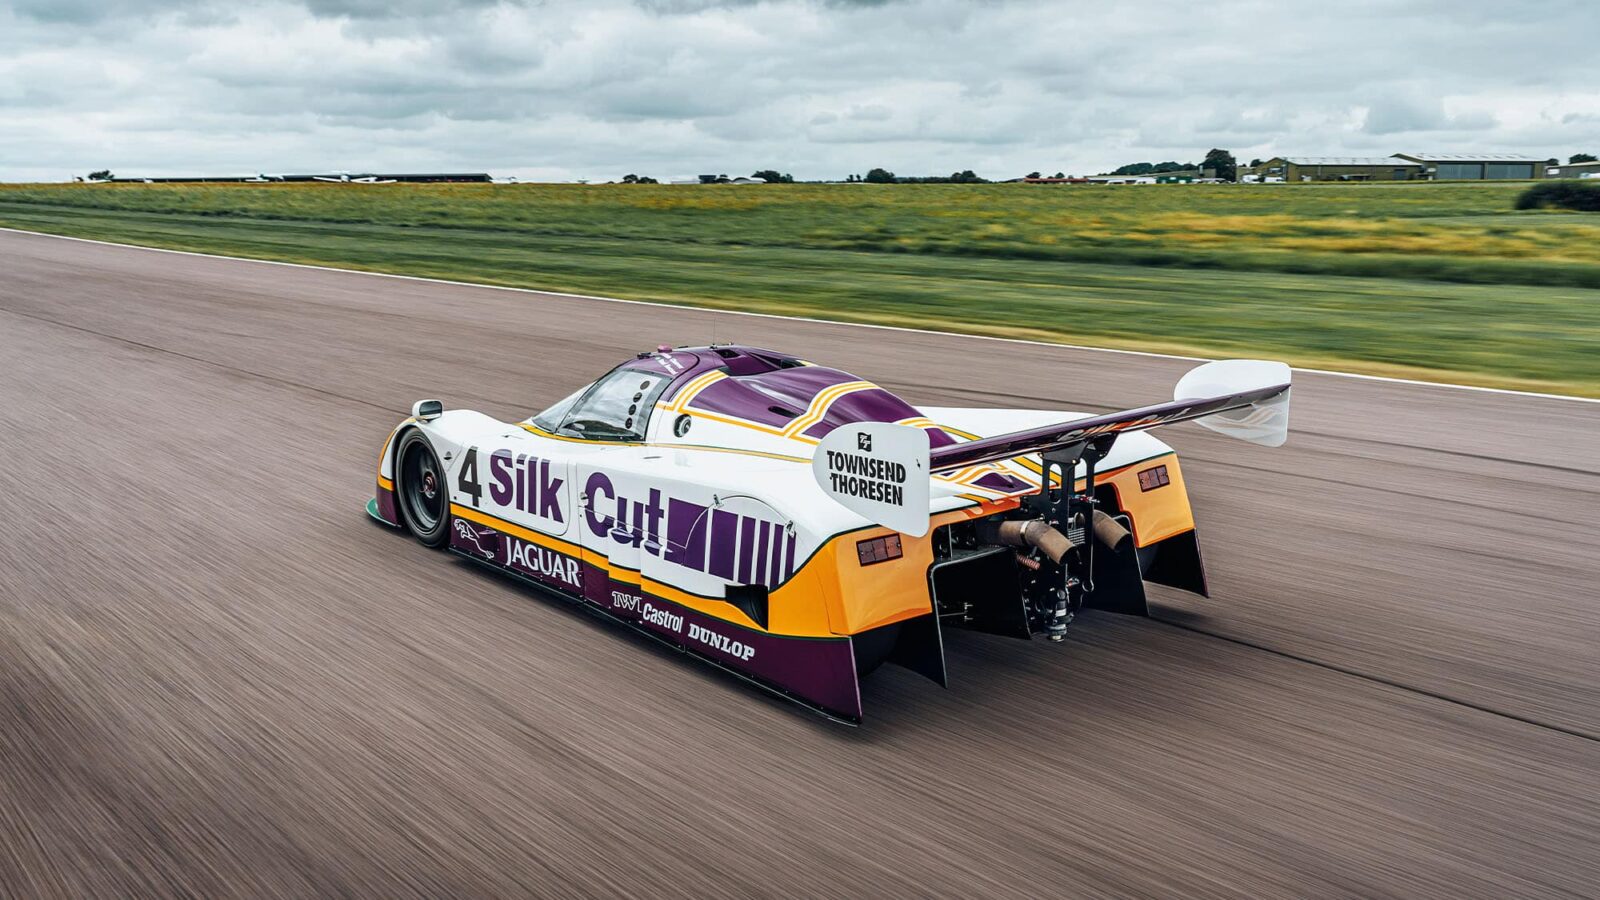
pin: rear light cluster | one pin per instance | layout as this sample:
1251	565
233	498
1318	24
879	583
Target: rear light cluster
1150	479
877	550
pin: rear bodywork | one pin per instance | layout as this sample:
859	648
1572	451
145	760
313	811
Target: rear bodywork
709	530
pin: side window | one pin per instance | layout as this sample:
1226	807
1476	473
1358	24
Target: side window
616	408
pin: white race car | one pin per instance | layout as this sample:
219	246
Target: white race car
799	526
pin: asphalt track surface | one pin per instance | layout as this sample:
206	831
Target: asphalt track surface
218	678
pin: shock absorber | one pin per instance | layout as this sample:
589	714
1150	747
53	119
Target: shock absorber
1061	615
1066	516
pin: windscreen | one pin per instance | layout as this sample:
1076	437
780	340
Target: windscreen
552	417
617	407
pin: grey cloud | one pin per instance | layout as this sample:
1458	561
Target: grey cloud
81	11
694	6
394	9
669	87
1392	115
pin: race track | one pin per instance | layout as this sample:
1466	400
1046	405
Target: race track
218	677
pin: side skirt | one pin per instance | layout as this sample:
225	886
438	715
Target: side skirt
816	673
845	717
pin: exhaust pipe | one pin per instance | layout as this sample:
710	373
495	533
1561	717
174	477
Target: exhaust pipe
1110	532
1030	533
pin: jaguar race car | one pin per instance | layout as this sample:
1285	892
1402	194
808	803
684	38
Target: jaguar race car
800	526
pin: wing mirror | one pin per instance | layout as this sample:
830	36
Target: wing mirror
427	410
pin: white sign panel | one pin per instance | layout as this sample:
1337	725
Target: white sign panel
878	470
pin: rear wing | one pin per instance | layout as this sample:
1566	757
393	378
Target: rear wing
1243	398
881	471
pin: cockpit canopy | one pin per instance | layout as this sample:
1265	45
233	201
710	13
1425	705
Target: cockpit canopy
769	391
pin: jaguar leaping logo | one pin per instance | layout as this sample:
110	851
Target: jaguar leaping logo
472	535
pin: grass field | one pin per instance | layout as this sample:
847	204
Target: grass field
1439	281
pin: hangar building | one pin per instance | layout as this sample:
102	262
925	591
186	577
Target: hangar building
1574	170
1480	166
1340	168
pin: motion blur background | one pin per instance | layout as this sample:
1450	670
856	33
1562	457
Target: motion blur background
218	679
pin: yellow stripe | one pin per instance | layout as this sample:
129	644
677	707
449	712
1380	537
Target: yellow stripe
818	408
820	404
680	403
529	426
707	606
815	412
384	454
1024	461
656	445
517	531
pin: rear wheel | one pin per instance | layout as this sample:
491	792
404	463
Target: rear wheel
421	489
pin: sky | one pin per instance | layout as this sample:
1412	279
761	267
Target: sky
560	91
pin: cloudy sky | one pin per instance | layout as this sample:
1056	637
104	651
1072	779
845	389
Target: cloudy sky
821	88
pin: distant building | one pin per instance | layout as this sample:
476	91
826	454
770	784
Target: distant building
1121	179
1171	176
1340	168
1574	170
404	177
1477	166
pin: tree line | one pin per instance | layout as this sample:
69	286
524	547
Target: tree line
1225	167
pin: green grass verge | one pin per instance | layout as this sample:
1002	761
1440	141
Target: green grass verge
781	250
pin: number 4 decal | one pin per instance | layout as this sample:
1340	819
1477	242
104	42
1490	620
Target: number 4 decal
467	482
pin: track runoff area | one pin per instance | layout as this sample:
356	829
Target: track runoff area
220	679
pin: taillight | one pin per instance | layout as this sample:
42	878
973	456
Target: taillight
1150	479
879	549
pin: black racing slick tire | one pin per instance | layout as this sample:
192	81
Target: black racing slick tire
421	491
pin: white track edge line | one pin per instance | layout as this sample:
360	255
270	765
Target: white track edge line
737	312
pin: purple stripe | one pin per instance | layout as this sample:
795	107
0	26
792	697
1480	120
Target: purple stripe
747	535
870	405
775	573
999	481
788	556
760	574
820	671
386	510
686	534
724	537
752	397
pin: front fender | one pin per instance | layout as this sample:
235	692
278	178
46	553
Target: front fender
450	433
